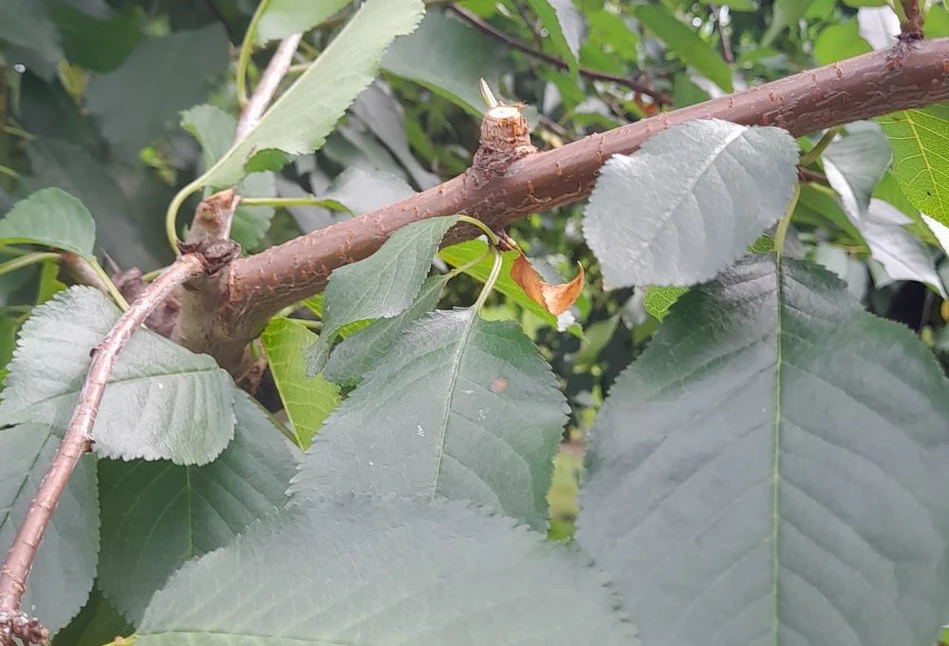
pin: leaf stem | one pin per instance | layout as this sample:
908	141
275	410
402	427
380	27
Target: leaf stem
110	286
492	278
782	231
309	200
27	260
814	153
16	132
77	440
171	215
307	323
475	222
244	57
9	172
468	265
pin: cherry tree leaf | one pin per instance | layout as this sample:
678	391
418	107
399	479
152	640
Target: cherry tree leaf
688	202
53	218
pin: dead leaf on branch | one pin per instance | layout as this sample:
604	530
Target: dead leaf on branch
556	299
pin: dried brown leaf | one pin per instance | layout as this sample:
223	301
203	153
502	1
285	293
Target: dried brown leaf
556	299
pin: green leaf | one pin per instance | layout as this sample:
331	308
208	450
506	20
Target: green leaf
464	253
784	14
772	470
137	103
855	164
564	23
285	17
157	515
461	407
686	44
65	564
372	572
99	44
26	23
382	113
360	352
362	191
839	41
98	623
307	401
920	142
689	202
214	129
448	57
53	218
126	203
902	254
660	299
299	121
381	286
162	401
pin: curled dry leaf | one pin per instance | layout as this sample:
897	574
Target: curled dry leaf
556	299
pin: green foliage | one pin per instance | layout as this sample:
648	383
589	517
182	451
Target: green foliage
65	565
460	407
157	515
764	453
381	286
774	498
302	118
183	400
307	401
673	235
52	218
921	157
456	576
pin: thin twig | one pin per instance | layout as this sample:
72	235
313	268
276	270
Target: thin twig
267	88
513	43
78	437
912	27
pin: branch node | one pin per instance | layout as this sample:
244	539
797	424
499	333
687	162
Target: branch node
505	138
18	626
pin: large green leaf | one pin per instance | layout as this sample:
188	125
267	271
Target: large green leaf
839	41
138	102
98	623
920	142
381	286
358	353
65	564
285	17
50	217
902	254
448	57
564	23
689	202
307	401
682	39
299	121
214	129
358	570
157	515
771	470
161	401
460	407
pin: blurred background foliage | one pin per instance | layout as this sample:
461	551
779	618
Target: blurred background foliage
91	95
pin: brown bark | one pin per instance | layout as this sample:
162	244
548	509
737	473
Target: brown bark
233	309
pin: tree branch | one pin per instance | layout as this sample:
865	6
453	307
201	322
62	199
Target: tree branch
912	27
513	43
77	440
267	87
237	303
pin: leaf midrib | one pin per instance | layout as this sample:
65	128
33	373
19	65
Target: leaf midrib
776	465
446	414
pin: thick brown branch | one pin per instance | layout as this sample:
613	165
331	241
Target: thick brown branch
513	43
77	439
238	304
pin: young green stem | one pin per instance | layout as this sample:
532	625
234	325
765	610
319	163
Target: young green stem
492	278
814	153
27	260
243	58
782	231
